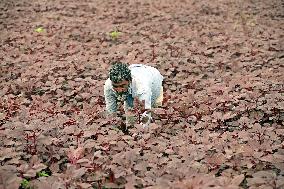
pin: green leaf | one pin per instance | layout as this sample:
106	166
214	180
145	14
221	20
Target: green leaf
114	34
42	174
25	184
39	29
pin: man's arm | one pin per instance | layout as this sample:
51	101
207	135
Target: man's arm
146	99
110	99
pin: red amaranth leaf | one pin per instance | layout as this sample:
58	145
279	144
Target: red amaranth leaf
237	180
9	178
75	154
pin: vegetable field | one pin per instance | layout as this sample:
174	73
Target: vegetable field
222	122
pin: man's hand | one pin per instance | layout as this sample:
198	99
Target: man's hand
145	119
139	107
130	119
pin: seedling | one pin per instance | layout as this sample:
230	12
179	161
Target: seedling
39	30
114	35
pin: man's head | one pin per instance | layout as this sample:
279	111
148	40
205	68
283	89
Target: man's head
120	75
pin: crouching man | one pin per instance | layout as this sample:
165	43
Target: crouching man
137	81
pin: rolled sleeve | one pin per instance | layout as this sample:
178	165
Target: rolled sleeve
110	99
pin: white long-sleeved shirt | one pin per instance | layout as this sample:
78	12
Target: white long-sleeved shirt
146	85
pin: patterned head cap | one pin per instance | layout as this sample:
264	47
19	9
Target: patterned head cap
119	72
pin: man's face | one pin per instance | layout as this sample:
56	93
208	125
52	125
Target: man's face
121	87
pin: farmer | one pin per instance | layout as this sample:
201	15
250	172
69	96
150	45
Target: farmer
137	81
